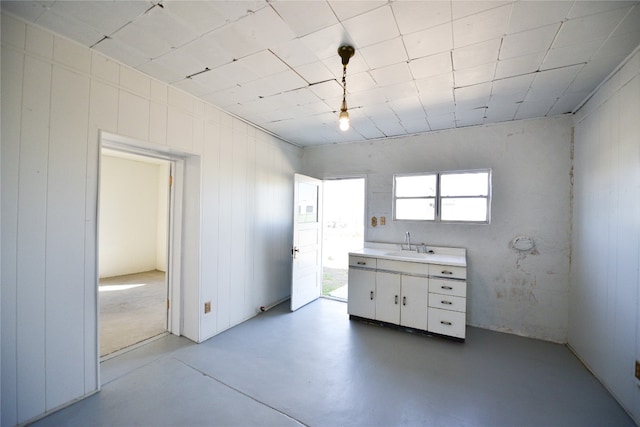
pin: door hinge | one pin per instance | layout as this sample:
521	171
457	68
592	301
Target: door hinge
168	304
170	180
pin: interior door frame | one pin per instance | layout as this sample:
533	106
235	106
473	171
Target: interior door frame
174	234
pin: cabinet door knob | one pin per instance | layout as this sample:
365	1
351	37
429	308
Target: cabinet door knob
371	295
444	322
448	288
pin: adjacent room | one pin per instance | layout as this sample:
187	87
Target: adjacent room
459	179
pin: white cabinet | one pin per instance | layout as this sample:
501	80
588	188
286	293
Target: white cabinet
418	295
362	287
413	311
447	300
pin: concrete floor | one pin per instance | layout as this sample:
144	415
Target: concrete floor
133	308
315	367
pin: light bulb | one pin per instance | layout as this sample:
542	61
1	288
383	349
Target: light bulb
344	120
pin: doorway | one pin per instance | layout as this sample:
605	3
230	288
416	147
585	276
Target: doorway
133	249
343	231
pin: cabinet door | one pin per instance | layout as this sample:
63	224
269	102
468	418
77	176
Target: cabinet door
413	312
361	299
388	297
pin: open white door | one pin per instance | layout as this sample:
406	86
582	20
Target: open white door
306	252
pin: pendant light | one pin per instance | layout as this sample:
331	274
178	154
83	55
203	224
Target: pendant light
345	52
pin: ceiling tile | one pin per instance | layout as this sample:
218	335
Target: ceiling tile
215	80
436	90
180	62
442	121
106	17
295	53
234	10
567	103
555	81
240	73
512	87
418	125
207	50
480	27
476	54
500	110
527	15
264	28
408	109
360	27
529	110
263	63
383	54
315	73
429	42
413	16
472	76
431	65
324	43
160	24
399	90
29	11
356	65
192	86
471	97
360	82
592	27
235	43
120	51
200	16
369	97
366	127
348	9
70	27
398	73
569	55
518	66
528	42
586	8
462	8
305	17
141	40
470	117
326	90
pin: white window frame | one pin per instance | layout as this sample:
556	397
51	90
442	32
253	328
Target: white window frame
439	198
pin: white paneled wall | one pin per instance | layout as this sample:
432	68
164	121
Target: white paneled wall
605	286
518	292
56	97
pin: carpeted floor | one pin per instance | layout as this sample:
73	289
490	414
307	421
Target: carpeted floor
133	308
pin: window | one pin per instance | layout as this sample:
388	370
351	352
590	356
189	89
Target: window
457	196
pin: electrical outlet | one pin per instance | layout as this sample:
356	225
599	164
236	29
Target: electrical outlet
638	370
383	220
207	307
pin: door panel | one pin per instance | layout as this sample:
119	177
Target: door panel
306	264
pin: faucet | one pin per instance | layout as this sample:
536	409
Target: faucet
407	239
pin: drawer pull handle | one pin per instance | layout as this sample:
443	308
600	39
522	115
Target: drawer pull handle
444	322
361	263
446	302
404	300
371	295
446	272
396	299
448	288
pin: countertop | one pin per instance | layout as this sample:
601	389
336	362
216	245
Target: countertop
428	258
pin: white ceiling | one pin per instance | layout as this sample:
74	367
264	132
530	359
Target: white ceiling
419	65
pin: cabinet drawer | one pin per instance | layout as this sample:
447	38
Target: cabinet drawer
404	267
448	287
361	261
447	302
446	322
448	271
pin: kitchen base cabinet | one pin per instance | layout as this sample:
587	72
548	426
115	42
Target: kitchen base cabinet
362	289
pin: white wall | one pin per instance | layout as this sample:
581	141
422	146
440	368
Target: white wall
132	218
605	285
56	96
521	293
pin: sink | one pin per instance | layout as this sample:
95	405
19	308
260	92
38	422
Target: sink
408	254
